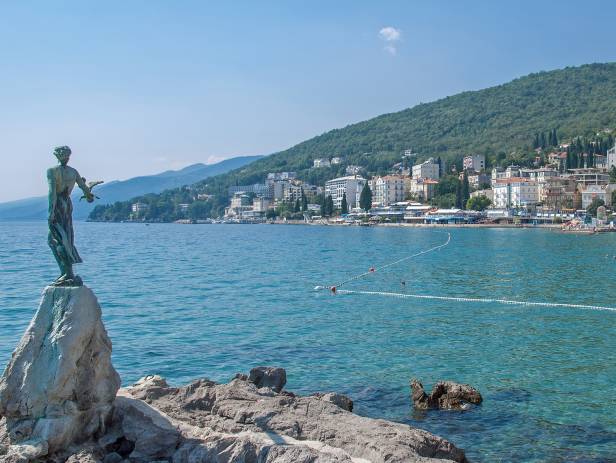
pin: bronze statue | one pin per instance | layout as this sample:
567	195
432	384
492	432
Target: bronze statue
62	179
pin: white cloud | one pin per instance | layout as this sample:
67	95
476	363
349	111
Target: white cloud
391	50
390	34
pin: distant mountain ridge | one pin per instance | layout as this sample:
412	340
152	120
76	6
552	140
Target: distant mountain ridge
36	208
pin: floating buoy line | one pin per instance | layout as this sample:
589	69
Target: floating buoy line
335	289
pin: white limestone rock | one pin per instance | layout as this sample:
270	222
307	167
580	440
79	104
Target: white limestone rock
59	385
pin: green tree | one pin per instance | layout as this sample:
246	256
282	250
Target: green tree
329	203
592	207
478	203
297	206
344	206
613	174
365	198
304	202
459	200
466	194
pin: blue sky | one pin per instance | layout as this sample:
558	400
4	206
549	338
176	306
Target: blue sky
138	87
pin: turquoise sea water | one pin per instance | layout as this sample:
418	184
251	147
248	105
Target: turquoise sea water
212	300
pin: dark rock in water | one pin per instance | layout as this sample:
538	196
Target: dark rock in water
274	378
445	395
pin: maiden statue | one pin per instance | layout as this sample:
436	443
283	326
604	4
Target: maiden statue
62	180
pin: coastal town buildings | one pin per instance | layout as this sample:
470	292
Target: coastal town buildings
350	185
475	162
602	192
487	193
558	193
139	208
388	189
292	191
258	189
353	170
423	189
478	179
321	162
273	177
427	169
515	192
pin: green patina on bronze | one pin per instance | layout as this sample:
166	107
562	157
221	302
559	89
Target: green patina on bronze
62	179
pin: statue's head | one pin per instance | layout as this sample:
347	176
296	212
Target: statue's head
63	153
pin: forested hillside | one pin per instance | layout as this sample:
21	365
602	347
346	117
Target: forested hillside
501	122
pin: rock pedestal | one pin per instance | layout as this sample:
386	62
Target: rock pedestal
60	385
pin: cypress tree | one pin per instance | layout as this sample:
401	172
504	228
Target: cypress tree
555	138
297	206
542	140
466	194
330	205
459	194
365	198
304	202
344	206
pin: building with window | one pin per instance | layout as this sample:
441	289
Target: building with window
475	162
258	188
427	169
515	192
592	192
423	189
388	189
351	185
322	162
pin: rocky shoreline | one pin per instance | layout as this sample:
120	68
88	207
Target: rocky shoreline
239	422
60	401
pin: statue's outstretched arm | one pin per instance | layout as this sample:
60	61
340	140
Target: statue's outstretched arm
87	191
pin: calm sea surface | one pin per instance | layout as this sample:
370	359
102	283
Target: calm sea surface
213	300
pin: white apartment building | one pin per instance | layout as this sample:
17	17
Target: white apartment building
322	162
335	160
499	173
388	189
279	176
515	192
139	208
476	162
592	192
260	204
353	170
427	169
351	185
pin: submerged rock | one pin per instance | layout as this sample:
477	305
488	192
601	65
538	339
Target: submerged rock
60	385
445	395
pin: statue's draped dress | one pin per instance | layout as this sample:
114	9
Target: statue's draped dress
61	236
